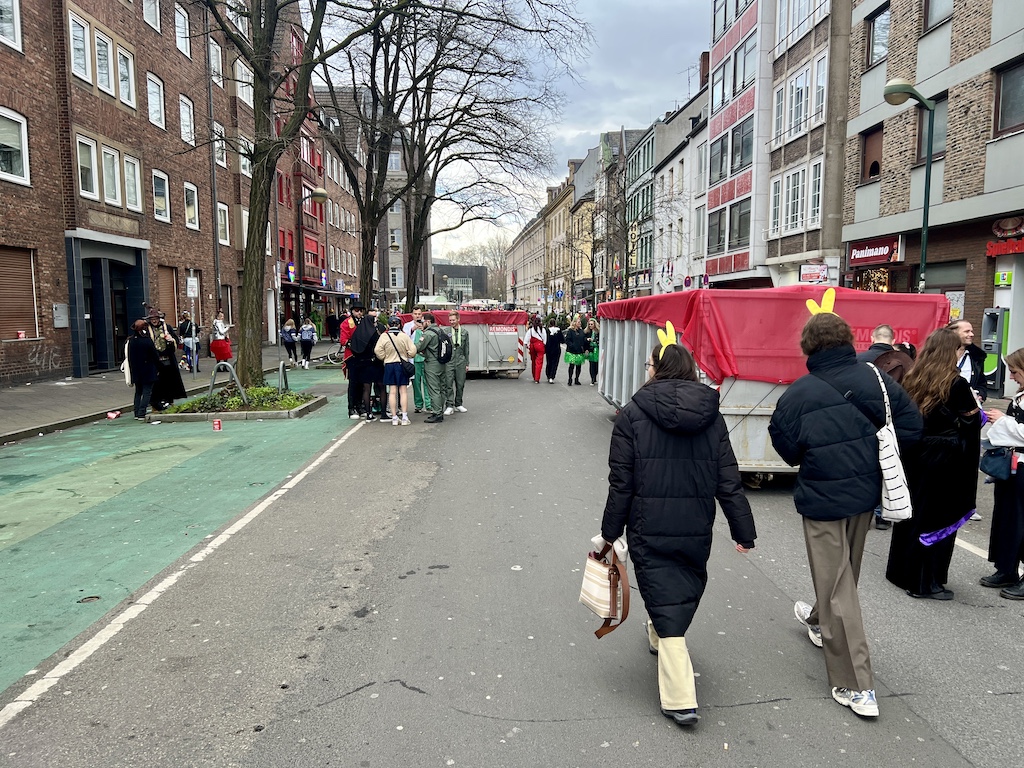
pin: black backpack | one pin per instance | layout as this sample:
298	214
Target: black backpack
365	336
444	345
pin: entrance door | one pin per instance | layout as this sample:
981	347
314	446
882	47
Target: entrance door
119	310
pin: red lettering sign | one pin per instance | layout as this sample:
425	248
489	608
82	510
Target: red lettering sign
1005	247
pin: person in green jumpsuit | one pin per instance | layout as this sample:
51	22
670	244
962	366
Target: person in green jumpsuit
433	368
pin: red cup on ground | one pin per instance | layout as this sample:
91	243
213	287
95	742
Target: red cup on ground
217	425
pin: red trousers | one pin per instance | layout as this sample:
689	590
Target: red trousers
536	357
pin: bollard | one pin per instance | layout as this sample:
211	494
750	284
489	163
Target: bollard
217	425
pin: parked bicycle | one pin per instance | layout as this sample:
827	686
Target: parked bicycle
335	354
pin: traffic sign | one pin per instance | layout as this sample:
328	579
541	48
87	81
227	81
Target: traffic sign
559	294
192	287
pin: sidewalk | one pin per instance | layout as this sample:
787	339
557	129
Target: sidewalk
27	410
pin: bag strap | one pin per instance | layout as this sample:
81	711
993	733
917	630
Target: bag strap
390	336
885	394
618	580
848	397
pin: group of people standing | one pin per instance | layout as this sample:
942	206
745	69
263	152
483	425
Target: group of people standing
581	346
392	357
151	356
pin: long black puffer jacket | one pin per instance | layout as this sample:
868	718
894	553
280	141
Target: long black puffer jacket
670	459
818	426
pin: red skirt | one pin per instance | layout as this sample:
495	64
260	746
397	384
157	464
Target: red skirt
221	349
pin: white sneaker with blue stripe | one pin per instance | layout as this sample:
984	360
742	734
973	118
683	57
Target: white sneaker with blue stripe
861	702
802	611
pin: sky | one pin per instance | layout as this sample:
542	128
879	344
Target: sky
643	62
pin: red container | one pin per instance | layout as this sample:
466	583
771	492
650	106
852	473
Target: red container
216	425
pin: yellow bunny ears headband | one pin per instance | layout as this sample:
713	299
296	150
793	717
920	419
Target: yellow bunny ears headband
828	303
667	337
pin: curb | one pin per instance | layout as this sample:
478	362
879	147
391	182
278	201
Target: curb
295	413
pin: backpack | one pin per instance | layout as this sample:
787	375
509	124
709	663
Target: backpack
306	333
444	346
364	338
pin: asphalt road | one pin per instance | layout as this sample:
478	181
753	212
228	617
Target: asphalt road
411	600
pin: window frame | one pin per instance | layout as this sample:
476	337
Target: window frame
243	83
185	104
926	13
779	114
736	215
865	166
798	125
775	207
244	161
15	41
106	152
179	13
922	129
869	49
998	129
216	70
26	179
723	163
148	7
719	8
747	140
136	175
700	220
153	80
154	175
794	200
746	52
220	145
815	184
97	37
222	208
722	229
130	58
86	73
819	91
186	188
81	141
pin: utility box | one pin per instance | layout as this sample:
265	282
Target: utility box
993	337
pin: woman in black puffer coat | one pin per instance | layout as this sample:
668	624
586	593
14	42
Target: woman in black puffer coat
670	459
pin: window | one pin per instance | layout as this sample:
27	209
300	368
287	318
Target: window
238	18
814	210
132	183
781	23
702	168
396	278
743	145
395	160
1010	100
104	62
716	232
699	219
802	16
719	160
216	64
245	156
739	224
745	64
223	231
396	207
155	99
161	201
13	147
796	183
10	23
220	151
191	206
81	56
779	114
151	13
799	102
111	160
938	132
936	11
243	78
126	76
775	212
87	185
820	82
878	37
182	36
18	310
871	155
188	123
719	87
245	227
396	237
720	18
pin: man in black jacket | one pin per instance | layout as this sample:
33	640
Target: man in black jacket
972	361
882	339
826	422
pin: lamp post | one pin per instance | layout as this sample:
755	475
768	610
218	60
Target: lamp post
319	196
896	92
395	248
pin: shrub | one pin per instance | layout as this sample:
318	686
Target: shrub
228	399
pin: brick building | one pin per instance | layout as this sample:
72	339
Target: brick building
967	56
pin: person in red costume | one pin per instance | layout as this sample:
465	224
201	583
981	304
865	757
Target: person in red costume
348	327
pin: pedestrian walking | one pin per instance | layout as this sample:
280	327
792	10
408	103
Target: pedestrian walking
168	386
307	338
593	335
827	422
220	340
429	347
575	350
414	330
392	348
553	351
333	325
670	458
290	337
535	340
456	370
1006	539
144	364
942	470
188	332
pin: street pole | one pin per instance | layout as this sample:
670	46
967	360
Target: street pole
192	319
927	197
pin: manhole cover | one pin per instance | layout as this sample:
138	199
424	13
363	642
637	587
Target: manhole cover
90	599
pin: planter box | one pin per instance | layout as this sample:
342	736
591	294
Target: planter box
294	413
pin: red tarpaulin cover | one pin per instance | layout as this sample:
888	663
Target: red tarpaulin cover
469	317
755	334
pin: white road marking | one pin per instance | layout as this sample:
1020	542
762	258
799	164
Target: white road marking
972	549
90	646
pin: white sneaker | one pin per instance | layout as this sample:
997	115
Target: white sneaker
975	517
449	411
802	611
461	408
863	703
354	416
405	421
394	421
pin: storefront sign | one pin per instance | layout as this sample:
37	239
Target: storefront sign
502	329
880	250
994	249
323	277
291	271
814	273
1004	279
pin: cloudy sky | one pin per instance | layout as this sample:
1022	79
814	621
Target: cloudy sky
643	62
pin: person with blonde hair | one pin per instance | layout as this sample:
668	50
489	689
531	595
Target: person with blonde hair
592	335
942	470
575	350
289	337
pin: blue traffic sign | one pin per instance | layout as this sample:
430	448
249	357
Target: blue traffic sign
559	294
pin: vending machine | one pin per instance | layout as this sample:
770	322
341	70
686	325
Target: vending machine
993	337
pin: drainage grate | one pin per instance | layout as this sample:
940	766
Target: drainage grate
90	599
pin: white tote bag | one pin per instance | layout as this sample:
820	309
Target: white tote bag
896	504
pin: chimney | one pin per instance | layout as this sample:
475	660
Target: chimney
705	65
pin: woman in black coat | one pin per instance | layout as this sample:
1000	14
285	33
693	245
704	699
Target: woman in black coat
144	364
553	351
575	350
670	459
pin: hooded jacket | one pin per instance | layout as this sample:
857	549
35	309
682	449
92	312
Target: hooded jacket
670	458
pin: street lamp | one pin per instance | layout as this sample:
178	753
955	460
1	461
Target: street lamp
319	196
896	92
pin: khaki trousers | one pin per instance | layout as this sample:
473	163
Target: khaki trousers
835	549
675	673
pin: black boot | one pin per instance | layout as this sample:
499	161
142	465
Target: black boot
1016	592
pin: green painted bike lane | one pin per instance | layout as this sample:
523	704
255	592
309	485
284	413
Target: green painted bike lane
99	510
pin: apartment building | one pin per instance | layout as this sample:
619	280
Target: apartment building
526	277
967	57
558	261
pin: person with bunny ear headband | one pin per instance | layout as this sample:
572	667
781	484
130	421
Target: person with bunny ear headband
670	458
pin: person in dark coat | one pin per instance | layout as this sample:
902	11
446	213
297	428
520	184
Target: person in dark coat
670	458
972	360
827	422
333	325
942	471
168	386
553	351
576	348
144	364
